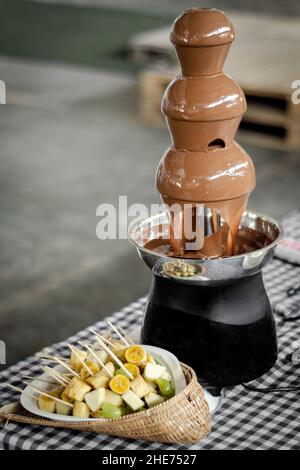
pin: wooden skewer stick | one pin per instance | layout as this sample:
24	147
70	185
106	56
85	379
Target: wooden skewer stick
65	377
55	376
108	334
59	375
41	392
47	359
130	340
66	366
116	346
118	333
31	377
17	389
57	361
115	358
74	351
96	357
51	358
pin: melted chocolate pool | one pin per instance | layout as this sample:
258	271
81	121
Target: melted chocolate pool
246	240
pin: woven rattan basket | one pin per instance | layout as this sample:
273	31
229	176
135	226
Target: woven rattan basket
184	418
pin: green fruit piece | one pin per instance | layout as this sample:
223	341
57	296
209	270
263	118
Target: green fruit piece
122	372
124	410
110	411
166	388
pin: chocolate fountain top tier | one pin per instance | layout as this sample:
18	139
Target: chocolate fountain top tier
202	27
202	39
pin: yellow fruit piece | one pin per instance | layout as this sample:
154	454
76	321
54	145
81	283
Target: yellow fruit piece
140	387
65	397
57	392
117	344
150	359
75	362
102	378
119	384
81	410
136	354
77	389
120	353
133	369
62	409
46	404
98	381
84	373
118	348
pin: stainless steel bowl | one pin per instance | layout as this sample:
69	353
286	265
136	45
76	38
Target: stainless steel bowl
214	269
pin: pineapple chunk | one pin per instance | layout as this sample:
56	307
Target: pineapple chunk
62	409
94	399
140	387
81	410
153	399
77	389
153	371
132	400
113	398
102	378
75	362
46	404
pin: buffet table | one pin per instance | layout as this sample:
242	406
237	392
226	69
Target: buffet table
248	418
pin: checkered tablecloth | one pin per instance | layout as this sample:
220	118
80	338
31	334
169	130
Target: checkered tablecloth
246	420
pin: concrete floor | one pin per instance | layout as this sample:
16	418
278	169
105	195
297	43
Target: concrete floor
71	139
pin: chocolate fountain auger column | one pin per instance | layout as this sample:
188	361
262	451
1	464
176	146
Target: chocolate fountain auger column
209	306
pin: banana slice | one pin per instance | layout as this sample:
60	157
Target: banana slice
81	410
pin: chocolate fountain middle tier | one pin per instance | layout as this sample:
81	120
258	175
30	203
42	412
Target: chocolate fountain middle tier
203	112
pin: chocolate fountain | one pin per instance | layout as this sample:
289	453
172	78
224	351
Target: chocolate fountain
207	303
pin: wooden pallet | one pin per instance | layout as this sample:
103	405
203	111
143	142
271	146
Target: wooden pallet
265	67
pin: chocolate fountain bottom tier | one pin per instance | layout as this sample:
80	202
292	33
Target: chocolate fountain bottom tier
225	332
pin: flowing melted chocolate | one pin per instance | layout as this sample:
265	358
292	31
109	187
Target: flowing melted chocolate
246	240
204	165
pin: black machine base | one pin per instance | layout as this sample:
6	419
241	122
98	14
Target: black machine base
226	331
